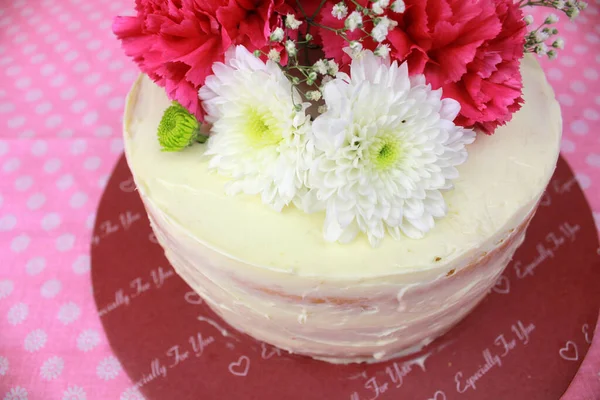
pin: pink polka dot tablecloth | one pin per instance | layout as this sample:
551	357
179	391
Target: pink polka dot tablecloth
63	81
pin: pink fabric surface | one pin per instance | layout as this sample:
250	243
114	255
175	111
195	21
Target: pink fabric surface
63	80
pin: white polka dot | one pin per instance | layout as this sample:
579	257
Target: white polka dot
81	66
11	165
78	146
593	160
567	146
590	74
90	220
7	222
53	121
95	16
78	106
14	70
584	180
92	163
23	82
65	242
555	74
64	182
52	368
71	55
115	103
33	95
592	38
58	80
90	117
38	58
50	288
105	24
570	26
68	93
6	288
128	76
6	60
51	221
20	38
92	78
591	114
62	46
39	148
78	200
43	108
30	48
104	55
74	26
23	182
102	181
578	87
47	69
64	17
44	28
115	65
6	108
81	265
16	122
35	340
103	131
84	35
103	90
51	38
94	45
3	147
68	313
35	201
567	60
35	266
20	243
116	145
27	134
65	133
579	127
17	313
52	165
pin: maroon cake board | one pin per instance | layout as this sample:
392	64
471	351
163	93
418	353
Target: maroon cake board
526	340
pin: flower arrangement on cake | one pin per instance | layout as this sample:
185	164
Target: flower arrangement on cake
372	131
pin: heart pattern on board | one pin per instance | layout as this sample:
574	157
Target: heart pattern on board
569	351
502	285
240	367
439	395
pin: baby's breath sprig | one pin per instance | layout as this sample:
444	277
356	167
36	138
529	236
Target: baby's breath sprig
542	40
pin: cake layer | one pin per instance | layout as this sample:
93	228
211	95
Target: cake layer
273	276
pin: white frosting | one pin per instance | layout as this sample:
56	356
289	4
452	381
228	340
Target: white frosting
273	276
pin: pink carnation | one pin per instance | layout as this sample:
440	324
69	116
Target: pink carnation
176	42
470	48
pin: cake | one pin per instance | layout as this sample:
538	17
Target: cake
270	273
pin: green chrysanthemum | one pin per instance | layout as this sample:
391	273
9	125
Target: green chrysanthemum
178	129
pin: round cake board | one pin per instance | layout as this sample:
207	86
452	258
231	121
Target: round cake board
526	340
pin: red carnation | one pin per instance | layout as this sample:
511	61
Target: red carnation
470	48
176	42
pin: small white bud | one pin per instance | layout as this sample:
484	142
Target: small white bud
383	50
313	95
552	54
339	10
320	66
551	19
541	49
332	68
290	47
559	44
274	55
560	4
377	8
291	21
277	35
322	109
354	20
398	6
528	19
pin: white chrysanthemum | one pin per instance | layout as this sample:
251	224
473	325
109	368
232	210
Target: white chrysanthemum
258	137
386	148
35	340
16	393
87	340
108	368
52	368
3	366
74	393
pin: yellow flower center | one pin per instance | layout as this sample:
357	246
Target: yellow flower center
385	151
261	128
